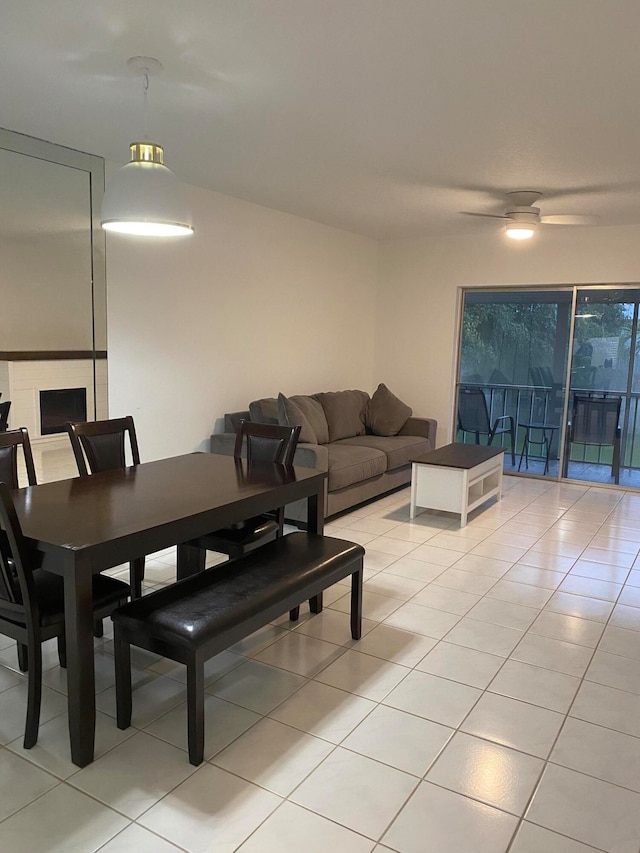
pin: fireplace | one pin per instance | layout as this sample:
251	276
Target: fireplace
60	406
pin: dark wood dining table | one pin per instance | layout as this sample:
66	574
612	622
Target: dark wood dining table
85	525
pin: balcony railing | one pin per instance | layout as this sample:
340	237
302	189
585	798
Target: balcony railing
536	404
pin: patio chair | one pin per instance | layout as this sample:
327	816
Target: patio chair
595	422
473	417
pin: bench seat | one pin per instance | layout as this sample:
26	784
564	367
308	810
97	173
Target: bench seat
196	618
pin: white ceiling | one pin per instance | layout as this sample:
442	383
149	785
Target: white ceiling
383	117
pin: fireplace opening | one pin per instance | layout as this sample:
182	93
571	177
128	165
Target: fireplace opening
59	407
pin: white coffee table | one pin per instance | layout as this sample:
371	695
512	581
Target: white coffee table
456	478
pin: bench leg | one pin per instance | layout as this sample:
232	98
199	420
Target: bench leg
195	710
315	603
356	603
122	652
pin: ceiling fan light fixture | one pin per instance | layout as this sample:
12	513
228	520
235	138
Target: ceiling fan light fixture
144	197
520	230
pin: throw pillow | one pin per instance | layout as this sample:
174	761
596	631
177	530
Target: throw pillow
314	413
290	414
385	413
344	411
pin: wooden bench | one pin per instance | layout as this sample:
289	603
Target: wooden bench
196	618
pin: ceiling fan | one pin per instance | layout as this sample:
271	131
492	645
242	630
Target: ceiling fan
522	218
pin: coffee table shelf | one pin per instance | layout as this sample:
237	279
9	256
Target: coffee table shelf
456	478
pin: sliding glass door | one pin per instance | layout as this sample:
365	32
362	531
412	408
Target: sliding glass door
560	366
513	349
604	384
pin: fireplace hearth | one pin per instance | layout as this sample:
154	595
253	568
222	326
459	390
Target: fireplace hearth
59	406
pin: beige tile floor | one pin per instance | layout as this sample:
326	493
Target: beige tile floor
493	703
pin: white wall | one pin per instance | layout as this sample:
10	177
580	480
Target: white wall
256	302
416	323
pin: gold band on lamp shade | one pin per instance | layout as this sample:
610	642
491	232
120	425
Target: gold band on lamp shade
145	197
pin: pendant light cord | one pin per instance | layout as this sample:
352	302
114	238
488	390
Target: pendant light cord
145	85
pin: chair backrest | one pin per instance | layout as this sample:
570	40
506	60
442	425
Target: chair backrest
9	443
267	442
18	601
103	443
473	415
595	420
4	415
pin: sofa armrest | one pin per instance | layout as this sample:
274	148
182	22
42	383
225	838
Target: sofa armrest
223	443
425	427
232	420
312	456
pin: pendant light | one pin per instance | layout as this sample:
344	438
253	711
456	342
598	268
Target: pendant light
145	197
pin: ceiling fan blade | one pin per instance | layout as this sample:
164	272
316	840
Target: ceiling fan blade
569	219
485	215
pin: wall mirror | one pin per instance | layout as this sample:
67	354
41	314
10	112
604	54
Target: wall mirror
53	330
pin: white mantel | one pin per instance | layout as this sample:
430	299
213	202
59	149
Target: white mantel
22	380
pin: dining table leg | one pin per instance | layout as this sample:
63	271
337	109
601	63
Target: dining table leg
315	524
78	605
190	559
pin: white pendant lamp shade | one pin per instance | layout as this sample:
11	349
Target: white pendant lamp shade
145	197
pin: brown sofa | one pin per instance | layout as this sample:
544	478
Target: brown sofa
337	436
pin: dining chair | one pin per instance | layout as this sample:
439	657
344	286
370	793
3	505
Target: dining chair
10	441
101	445
595	421
4	415
32	605
263	443
473	416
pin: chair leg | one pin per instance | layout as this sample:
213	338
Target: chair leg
195	710
122	653
62	650
136	570
34	695
315	603
23	657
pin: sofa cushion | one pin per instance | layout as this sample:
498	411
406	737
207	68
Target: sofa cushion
264	411
349	464
398	449
344	411
385	413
